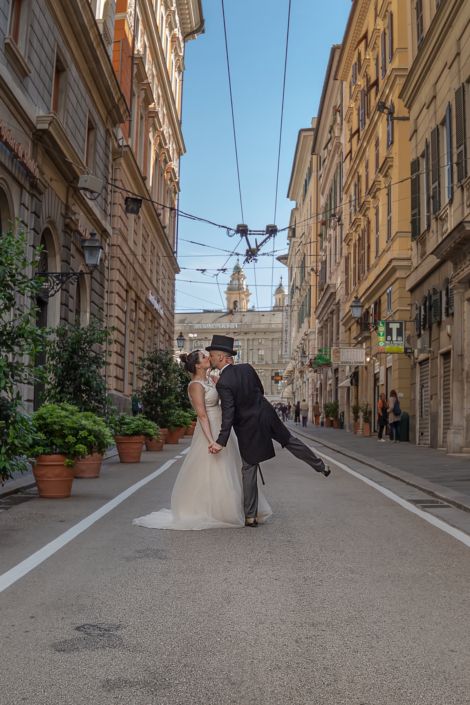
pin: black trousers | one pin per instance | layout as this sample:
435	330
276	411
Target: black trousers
250	473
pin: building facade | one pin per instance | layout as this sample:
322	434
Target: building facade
60	104
437	94
258	334
148	57
327	146
372	66
302	263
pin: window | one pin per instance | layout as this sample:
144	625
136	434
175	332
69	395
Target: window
460	133
419	21
377	154
366	176
427	186
58	86
17	8
389	300
435	169
448	170
389	212
390	127
383	54
90	145
390	36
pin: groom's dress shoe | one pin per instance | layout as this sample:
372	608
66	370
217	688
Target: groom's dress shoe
326	471
251	522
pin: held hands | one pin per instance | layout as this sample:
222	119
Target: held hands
215	448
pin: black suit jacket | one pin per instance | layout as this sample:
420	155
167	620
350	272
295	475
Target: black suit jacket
253	418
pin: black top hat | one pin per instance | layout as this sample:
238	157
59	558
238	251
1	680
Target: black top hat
223	343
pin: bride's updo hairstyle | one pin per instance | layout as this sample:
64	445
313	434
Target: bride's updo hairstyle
190	361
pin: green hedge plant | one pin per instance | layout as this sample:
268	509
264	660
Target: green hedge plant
124	425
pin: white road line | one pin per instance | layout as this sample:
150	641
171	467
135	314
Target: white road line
20	570
438	523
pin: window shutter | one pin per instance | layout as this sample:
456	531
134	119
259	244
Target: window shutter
390	36
460	136
427	186
449	154
435	184
415	193
436	306
418	319
383	53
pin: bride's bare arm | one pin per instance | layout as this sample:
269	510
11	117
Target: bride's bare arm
196	392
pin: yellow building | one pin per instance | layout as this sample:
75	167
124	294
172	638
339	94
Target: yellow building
301	261
373	65
437	94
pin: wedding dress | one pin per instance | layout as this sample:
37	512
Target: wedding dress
208	491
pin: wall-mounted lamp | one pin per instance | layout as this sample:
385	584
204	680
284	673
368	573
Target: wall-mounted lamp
389	110
132	205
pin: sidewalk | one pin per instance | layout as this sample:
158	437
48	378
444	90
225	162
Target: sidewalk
444	476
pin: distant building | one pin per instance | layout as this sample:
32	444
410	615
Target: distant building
258	334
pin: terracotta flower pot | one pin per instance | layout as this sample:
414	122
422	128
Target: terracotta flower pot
356	426
173	436
182	431
153	444
163	434
90	466
328	423
366	428
53	478
189	430
129	448
335	423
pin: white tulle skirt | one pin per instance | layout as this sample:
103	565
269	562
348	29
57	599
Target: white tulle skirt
208	492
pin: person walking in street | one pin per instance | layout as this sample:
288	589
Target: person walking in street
289	409
316	413
394	416
297	412
304	412
382	415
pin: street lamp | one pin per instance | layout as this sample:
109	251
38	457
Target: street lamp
54	281
132	205
180	341
356	308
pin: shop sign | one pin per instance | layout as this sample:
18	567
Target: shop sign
18	150
348	356
391	336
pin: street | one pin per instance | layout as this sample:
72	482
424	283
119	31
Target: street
343	598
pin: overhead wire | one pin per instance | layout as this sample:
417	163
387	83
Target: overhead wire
232	111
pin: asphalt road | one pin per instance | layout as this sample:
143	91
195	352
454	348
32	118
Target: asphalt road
344	598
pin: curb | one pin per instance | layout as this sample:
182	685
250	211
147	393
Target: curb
26	482
432	488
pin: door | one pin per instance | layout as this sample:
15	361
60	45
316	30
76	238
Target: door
445	397
424	411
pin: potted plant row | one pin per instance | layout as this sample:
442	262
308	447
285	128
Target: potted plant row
331	409
61	435
129	435
177	421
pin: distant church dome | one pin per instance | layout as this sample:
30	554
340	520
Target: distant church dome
237	293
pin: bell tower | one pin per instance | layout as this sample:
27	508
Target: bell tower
237	293
279	297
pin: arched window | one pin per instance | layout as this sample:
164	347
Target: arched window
6	216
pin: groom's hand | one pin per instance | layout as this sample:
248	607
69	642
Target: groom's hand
215	448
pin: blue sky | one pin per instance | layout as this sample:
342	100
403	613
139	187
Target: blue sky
256	35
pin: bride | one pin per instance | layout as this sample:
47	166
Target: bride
208	491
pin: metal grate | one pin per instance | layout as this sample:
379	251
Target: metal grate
429	504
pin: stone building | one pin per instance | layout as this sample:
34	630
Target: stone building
437	94
258	334
148	57
60	103
302	263
373	65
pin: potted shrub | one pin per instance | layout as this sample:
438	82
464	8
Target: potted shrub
356	410
177	421
327	411
334	411
192	425
160	387
129	436
366	418
59	438
154	443
100	438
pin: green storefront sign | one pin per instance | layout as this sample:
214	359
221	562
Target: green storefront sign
391	336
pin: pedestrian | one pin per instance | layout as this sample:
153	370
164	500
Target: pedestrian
316	413
382	415
297	412
284	412
304	412
394	415
289	409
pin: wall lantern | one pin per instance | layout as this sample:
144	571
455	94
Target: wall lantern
356	308
132	205
180	341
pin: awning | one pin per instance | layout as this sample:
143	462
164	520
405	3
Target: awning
345	383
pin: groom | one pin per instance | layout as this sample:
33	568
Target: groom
254	420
